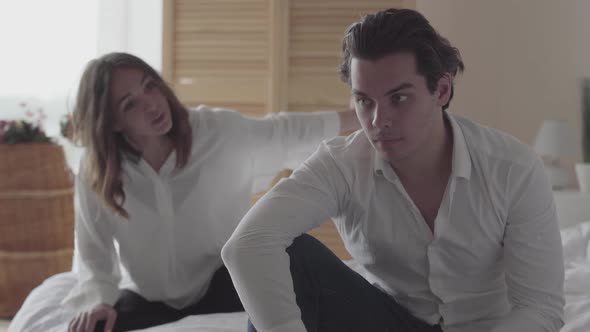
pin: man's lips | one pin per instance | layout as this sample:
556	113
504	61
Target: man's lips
388	139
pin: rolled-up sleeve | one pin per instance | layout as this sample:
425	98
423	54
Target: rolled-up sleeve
533	255
98	273
255	254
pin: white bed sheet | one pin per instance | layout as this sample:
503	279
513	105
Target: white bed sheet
41	311
576	247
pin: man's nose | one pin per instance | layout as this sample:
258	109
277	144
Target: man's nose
382	117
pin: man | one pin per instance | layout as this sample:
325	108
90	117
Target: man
453	222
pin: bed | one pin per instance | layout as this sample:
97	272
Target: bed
41	310
573	213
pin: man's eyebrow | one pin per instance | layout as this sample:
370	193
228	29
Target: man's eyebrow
402	86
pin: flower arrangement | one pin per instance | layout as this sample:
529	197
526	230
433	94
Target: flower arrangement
66	127
24	131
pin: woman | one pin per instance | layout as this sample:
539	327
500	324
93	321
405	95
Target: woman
168	185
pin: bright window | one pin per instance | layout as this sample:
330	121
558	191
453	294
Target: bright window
45	45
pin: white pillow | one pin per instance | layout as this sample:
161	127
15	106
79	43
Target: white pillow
572	208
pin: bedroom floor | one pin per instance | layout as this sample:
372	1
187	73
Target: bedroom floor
4	325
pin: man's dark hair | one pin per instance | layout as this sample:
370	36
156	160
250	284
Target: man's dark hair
401	30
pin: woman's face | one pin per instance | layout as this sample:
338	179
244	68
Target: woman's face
141	111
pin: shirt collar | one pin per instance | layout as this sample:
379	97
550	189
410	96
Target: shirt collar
461	159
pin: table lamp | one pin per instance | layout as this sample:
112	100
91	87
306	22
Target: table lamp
555	140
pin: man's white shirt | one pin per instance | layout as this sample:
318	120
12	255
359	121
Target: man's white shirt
493	263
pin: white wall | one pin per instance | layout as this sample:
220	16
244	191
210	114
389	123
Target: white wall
145	30
133	26
519	57
43	53
42	62
581	27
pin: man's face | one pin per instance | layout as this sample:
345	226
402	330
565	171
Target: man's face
394	106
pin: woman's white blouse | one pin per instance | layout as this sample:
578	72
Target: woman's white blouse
180	219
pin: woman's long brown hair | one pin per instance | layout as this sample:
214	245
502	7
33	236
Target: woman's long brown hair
94	127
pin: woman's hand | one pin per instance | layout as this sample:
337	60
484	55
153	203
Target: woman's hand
86	321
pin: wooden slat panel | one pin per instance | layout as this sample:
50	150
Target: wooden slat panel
316	107
316	31
317	27
327	90
213	36
196	71
215	90
210	42
278	55
221	52
215	4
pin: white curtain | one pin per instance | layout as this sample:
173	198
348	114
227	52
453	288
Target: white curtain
46	44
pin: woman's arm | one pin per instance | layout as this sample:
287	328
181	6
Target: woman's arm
285	139
98	274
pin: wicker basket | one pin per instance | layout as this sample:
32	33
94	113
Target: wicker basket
33	166
36	219
23	271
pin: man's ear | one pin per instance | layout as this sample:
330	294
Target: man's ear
444	87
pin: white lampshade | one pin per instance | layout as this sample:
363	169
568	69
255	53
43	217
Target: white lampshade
556	139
